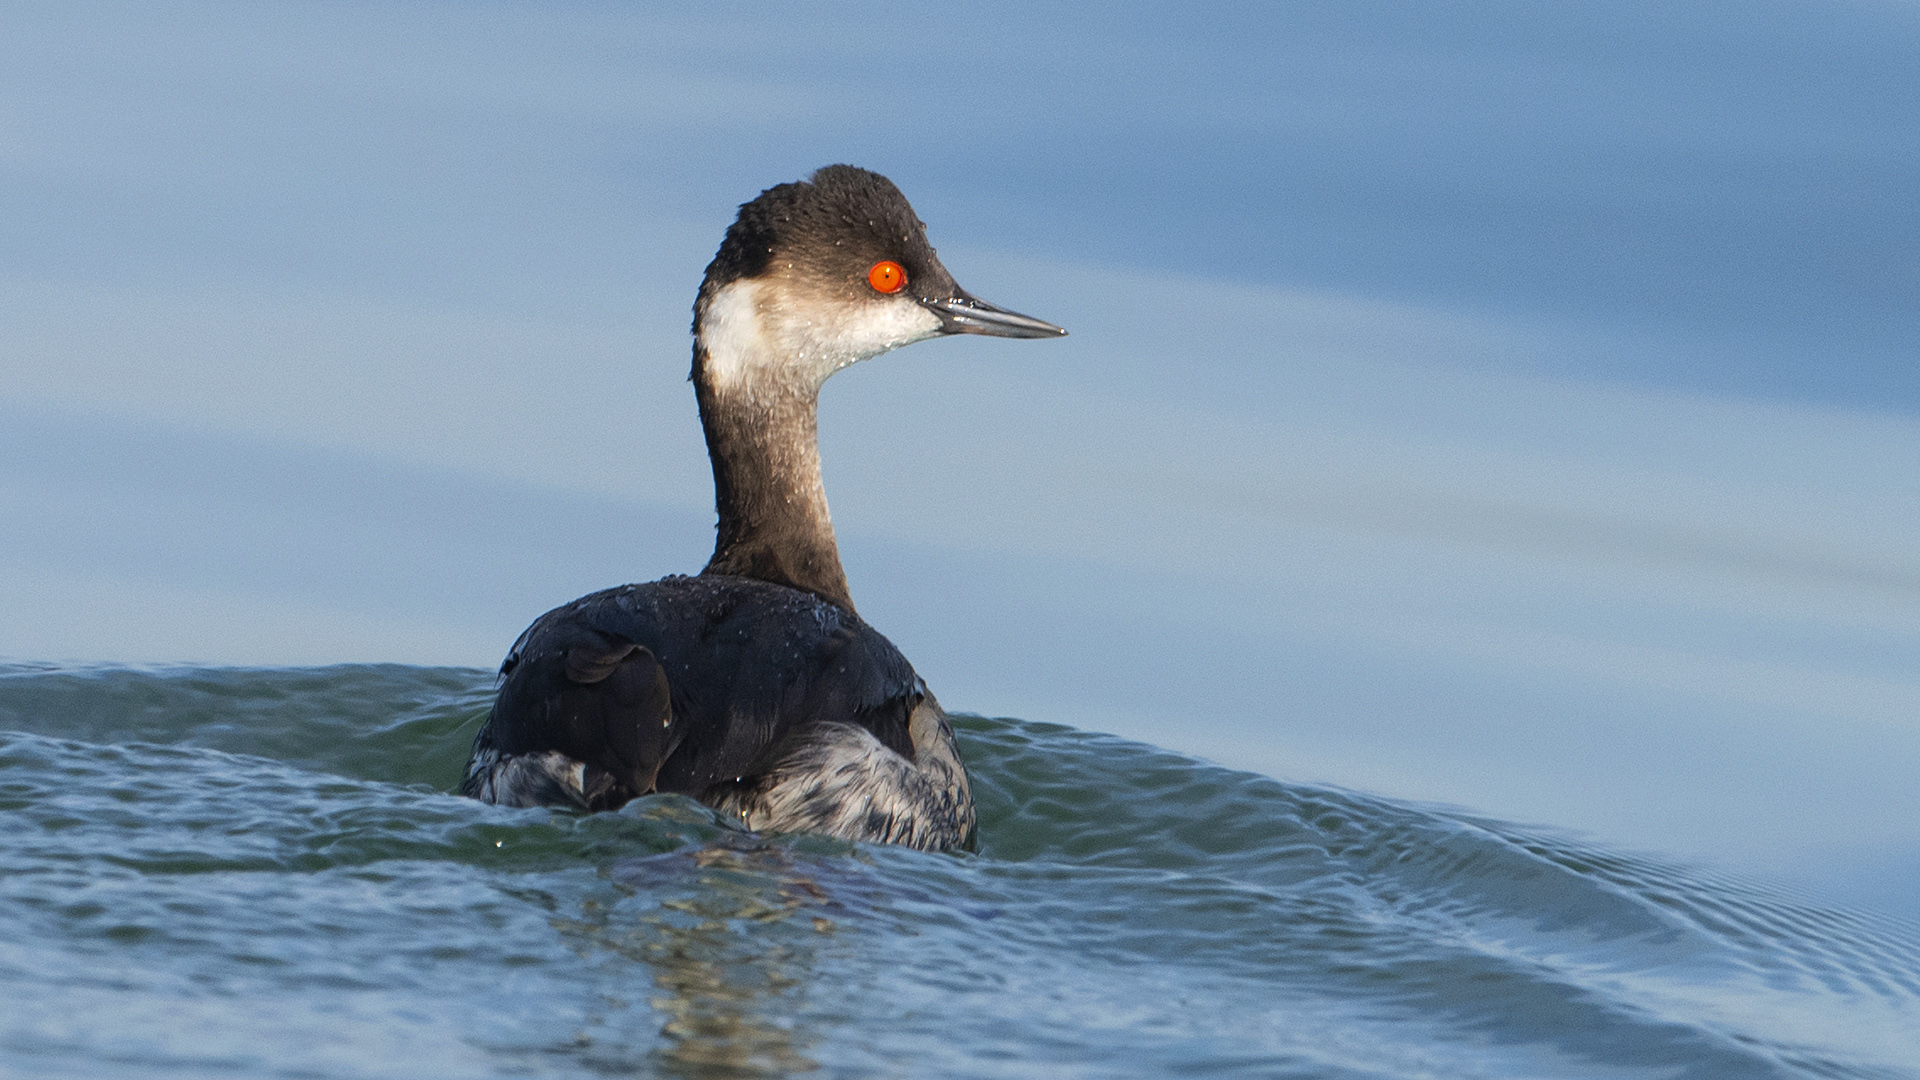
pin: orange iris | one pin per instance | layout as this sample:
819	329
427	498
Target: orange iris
887	276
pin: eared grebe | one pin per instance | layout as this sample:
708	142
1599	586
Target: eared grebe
754	686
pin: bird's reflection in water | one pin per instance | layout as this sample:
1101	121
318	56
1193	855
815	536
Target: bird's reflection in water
730	933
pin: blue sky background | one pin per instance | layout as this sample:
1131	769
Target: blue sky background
1505	404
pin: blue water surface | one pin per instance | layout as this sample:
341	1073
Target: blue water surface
219	871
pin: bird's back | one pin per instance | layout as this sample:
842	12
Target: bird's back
772	692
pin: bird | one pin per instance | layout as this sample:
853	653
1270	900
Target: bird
754	686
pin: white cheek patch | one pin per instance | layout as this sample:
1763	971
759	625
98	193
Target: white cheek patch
736	341
867	330
756	330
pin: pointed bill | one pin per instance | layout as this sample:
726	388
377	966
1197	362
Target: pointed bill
964	314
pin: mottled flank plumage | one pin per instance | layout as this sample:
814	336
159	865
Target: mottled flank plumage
838	780
545	778
755	686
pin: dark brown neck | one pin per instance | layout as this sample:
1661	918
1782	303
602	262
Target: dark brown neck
766	483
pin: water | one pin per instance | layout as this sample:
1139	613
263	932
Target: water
210	872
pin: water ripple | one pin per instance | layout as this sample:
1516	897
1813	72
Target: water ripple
215	870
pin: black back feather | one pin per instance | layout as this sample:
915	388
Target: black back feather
743	663
598	698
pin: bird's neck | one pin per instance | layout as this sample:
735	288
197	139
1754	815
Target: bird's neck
763	438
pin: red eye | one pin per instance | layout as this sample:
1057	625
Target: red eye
887	276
